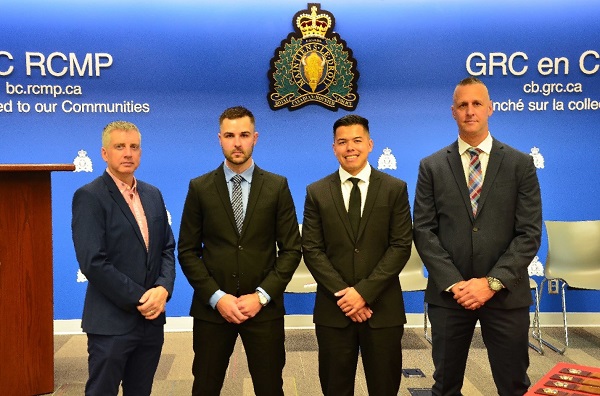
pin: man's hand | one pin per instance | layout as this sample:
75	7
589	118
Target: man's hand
153	302
249	305
351	301
362	315
227	307
472	294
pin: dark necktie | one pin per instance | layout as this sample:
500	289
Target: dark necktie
236	201
475	178
354	206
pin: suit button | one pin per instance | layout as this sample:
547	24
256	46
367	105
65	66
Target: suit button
475	229
240	247
356	251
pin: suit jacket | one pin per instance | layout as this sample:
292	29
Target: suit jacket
214	256
112	254
500	242
372	262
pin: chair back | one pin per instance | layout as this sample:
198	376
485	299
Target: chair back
302	281
412	277
574	253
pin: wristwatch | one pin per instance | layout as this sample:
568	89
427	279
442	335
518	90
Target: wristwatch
261	298
495	283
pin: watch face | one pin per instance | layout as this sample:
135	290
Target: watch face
495	284
262	299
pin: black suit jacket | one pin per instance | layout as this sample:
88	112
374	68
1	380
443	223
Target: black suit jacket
113	256
372	262
500	242
214	256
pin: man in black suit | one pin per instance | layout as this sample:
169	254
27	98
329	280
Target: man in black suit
477	226
125	248
238	265
356	238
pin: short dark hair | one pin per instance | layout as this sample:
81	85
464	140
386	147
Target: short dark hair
470	81
351	119
233	113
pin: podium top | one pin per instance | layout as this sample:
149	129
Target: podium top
36	167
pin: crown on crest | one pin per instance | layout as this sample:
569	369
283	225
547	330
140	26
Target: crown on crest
313	25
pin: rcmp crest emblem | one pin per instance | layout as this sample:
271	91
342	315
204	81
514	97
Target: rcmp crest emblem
313	65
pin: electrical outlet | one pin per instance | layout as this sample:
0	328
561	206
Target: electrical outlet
553	286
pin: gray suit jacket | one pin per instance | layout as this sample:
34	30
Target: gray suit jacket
112	254
372	262
214	256
500	242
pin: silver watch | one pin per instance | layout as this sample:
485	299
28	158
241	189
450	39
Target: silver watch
261	298
495	283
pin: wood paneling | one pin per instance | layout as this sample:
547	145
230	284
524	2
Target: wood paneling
26	293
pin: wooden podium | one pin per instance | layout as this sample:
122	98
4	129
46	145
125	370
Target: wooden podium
26	299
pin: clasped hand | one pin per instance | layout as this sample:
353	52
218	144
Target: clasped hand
353	305
473	293
238	309
153	302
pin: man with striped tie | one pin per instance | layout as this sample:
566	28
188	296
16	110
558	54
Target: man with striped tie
239	245
477	226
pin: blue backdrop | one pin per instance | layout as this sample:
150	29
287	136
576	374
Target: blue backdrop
184	62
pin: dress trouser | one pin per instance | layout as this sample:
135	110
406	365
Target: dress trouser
265	352
505	333
381	352
130	359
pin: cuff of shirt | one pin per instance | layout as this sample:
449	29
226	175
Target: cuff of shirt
214	299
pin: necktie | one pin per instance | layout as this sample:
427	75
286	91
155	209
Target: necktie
354	206
236	201
475	178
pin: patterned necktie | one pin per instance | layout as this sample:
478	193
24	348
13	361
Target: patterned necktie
475	178
354	206
236	201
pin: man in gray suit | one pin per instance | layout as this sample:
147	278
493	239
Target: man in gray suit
356	238
125	248
239	245
477	226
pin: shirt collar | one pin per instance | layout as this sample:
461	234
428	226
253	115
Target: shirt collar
364	174
121	185
247	174
485	146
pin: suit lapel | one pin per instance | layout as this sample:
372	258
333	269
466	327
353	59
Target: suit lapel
372	191
255	187
459	176
221	186
120	201
335	188
496	157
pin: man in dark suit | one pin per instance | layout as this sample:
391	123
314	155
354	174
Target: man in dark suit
477	226
125	248
239	245
356	238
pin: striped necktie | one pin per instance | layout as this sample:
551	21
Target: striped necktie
236	201
475	178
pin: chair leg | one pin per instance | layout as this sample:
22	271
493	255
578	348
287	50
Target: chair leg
536	332
425	309
564	312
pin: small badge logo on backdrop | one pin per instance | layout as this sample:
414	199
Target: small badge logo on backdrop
313	65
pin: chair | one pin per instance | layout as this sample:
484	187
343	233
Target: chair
412	278
302	281
573	261
536	332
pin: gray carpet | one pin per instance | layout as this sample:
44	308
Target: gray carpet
300	375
